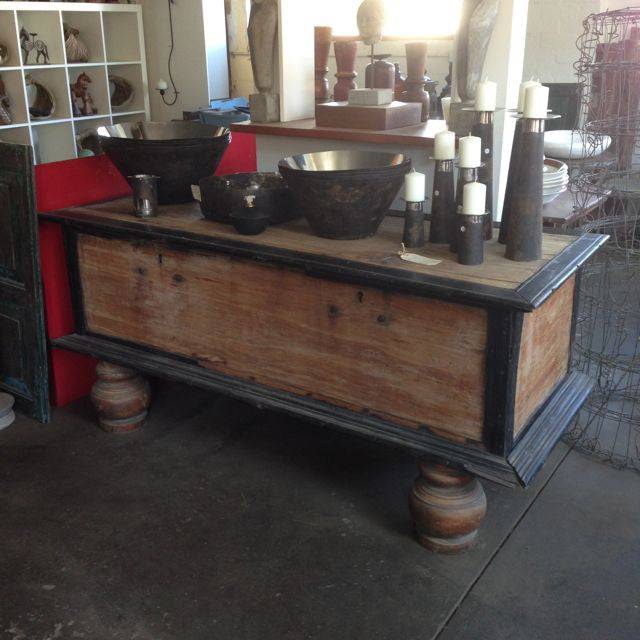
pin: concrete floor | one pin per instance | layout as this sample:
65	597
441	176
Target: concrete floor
220	521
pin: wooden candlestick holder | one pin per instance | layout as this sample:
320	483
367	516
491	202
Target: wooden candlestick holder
416	64
511	183
443	203
346	65
413	235
322	46
483	129
524	231
465	176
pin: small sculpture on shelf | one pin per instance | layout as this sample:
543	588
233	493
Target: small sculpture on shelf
263	37
28	43
5	113
81	100
371	18
4	54
77	50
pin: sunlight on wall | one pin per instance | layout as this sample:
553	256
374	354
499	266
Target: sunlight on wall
407	18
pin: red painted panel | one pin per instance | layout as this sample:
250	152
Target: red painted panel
73	183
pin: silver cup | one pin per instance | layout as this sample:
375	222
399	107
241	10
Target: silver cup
145	195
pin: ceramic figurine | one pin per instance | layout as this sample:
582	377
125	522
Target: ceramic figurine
28	43
41	101
77	50
478	19
263	37
4	54
81	99
5	114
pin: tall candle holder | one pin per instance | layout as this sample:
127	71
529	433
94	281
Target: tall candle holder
416	65
346	73
322	47
524	227
413	234
511	183
483	129
443	203
465	176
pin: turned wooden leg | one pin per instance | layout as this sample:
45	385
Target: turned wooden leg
447	506
121	397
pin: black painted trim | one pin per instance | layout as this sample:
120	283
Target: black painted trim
536	444
504	333
527	297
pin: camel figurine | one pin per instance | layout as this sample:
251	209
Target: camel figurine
5	113
81	99
28	43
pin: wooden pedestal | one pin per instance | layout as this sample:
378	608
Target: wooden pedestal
447	507
121	397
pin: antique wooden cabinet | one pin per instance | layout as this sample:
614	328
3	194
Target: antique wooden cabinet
468	366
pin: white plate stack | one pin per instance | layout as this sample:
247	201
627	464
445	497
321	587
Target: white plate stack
555	179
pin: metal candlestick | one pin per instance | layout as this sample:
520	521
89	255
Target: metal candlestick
465	176
145	195
511	183
443	204
483	129
524	228
470	231
413	235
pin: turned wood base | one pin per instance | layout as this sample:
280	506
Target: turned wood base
121	397
447	506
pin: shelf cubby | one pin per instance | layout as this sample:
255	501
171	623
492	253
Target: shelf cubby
122	40
89	24
88	125
115	39
14	87
48	27
9	38
98	88
53	141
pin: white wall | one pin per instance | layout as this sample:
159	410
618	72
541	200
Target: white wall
190	69
552	30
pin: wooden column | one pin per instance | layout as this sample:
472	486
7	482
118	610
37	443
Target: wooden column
121	397
447	506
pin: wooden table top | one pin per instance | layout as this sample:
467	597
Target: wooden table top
421	135
498	280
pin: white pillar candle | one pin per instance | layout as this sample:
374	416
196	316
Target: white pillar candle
486	96
446	107
536	101
445	146
474	199
470	149
162	85
414	186
523	87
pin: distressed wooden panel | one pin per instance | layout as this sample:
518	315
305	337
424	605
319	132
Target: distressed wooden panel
544	352
11	356
412	360
8	241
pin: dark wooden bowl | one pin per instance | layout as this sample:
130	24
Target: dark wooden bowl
180	153
350	200
222	197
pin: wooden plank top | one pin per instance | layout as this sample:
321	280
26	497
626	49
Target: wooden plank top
420	135
374	260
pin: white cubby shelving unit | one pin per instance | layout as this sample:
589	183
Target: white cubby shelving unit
115	38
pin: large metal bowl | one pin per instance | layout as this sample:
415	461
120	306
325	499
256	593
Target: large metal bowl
344	195
180	153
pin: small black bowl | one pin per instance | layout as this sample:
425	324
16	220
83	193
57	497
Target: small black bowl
222	196
249	222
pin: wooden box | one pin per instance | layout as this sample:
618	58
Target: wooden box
379	118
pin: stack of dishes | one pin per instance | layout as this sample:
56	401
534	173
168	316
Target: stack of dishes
555	179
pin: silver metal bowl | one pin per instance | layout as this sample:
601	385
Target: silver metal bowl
332	161
180	153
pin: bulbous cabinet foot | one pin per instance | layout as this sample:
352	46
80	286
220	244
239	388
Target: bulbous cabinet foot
121	397
447	506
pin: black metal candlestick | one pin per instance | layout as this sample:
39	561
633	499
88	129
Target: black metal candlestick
443	204
413	235
470	231
483	129
465	176
524	228
511	183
